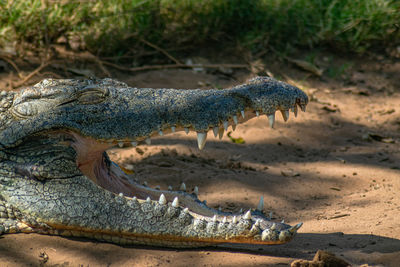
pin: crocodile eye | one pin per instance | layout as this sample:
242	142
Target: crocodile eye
92	96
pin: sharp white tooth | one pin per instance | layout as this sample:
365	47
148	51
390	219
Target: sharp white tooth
215	131
196	190
148	141
242	113
201	139
186	210
224	220
226	124
186	130
183	187
220	133
294	110
234	220
247	216
173	129
283	221
161	133
260	205
133	143
257	113
169	188
235	119
120	144
162	200
148	199
285	114
214	219
273	227
271	119
175	202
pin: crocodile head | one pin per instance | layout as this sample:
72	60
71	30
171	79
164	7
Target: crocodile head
56	178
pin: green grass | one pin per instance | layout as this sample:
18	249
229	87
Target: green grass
114	27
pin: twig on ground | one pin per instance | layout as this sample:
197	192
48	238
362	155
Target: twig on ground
9	61
101	65
168	55
30	75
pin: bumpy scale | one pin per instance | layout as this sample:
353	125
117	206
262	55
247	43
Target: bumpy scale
56	178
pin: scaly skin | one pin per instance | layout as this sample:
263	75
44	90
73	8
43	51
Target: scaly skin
55	177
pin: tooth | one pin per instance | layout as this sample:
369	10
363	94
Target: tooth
224	220
285	114
235	119
162	200
226	124
273	227
294	229
271	118
173	129
183	187
264	235
186	210
257	113
161	133
175	202
120	144
303	107
201	139
133	143
257	223
260	205
242	112
186	130
169	188
196	190
294	110
283	221
120	194
234	220
148	199
214	219
220	133
215	131
247	216
148	141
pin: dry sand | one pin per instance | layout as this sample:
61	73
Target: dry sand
336	168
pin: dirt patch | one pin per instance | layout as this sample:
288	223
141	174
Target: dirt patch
336	168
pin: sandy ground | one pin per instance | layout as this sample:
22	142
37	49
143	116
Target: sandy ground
336	168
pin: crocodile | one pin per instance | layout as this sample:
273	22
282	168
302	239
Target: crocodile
56	177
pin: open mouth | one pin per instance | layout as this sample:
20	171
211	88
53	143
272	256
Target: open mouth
93	162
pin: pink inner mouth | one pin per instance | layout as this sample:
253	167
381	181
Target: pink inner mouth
94	164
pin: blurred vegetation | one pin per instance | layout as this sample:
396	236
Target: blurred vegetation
114	27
